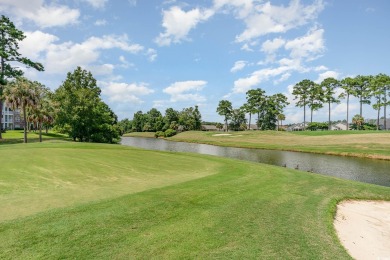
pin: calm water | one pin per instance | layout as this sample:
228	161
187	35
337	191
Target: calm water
358	169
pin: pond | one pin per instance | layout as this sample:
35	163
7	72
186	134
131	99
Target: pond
351	168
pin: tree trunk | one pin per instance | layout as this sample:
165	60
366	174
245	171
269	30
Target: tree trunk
361	106
1	115
329	125
311	115
40	132
377	119
226	126
304	117
347	111
250	117
25	124
384	109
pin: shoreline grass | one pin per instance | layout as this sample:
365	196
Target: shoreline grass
372	144
16	137
150	204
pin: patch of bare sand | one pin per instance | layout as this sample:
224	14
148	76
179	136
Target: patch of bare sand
221	134
363	228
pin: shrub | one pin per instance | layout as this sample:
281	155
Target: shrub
159	134
170	132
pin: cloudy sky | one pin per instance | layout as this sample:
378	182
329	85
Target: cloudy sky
149	53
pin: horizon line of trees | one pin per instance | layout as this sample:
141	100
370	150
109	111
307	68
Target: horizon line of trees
364	88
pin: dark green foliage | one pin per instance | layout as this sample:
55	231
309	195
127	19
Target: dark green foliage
237	120
10	36
225	109
169	133
314	126
81	112
125	126
190	119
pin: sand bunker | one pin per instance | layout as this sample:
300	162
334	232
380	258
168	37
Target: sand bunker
221	134
364	228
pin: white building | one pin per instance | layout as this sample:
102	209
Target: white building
10	119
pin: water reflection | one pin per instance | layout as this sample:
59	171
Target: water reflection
358	169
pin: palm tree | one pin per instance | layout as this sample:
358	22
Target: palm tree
347	86
21	94
281	117
329	85
358	120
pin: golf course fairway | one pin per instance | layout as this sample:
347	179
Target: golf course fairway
76	200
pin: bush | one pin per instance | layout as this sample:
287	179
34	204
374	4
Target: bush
170	132
159	134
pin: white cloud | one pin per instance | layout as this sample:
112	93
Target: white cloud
125	93
179	91
238	65
152	54
327	74
101	22
62	57
178	23
308	47
270	46
97	4
277	19
42	14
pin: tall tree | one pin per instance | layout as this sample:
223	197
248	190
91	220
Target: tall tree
42	111
82	114
315	99
237	119
348	90
10	36
281	118
381	86
256	100
301	92
272	107
358	120
329	86
361	87
21	94
225	109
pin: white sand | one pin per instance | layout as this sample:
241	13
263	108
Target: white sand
221	134
363	228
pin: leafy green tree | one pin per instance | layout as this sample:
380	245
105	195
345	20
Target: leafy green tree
380	85
329	86
348	90
301	93
21	94
190	118
81	112
138	122
361	90
358	120
237	118
10	36
272	107
256	100
225	109
125	126
219	126
250	105
171	115
315	99
155	120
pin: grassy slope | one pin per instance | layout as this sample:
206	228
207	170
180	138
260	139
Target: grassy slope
141	134
188	206
351	143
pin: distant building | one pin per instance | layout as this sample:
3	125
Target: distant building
209	128
381	123
297	127
11	119
339	126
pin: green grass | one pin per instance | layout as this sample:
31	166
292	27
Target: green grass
371	144
16	136
140	134
110	201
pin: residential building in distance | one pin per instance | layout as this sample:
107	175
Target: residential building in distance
11	119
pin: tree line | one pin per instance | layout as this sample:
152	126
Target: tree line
153	121
268	108
367	89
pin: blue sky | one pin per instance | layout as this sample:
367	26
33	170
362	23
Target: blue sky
147	53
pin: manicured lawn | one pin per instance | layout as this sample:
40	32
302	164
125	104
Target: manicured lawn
16	136
370	144
72	200
141	134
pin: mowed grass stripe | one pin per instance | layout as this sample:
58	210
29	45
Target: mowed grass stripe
37	177
243	210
